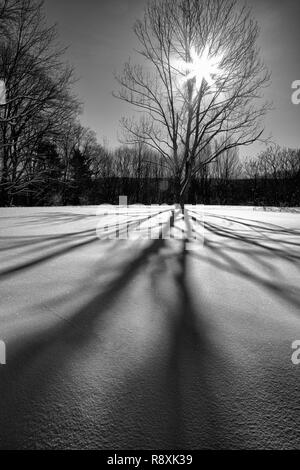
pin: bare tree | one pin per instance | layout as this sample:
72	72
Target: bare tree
38	97
227	166
74	137
199	84
9	10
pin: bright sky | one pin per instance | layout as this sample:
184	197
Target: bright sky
100	36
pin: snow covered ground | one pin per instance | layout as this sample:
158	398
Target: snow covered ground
140	344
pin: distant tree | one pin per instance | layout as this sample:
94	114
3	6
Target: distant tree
75	137
275	172
80	183
49	165
227	166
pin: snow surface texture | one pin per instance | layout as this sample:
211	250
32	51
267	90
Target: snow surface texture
140	345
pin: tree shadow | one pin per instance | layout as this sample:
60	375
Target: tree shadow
197	421
36	358
256	253
50	247
172	400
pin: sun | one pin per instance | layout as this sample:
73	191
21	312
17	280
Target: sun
201	67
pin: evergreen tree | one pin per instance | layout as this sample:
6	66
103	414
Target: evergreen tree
81	178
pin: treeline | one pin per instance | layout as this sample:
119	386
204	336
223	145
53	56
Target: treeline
272	178
48	158
79	171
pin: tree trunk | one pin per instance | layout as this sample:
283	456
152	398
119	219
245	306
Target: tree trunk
184	194
185	186
177	189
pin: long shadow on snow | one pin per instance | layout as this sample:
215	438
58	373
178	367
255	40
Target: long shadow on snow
255	247
171	402
26	377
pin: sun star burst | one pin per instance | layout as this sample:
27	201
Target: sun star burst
201	67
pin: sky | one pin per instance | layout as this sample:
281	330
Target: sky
100	38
